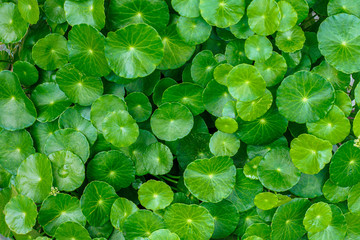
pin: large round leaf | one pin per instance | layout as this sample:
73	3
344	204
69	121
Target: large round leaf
222	13
68	170
29	10
155	195
188	94
193	30
112	167
12	25
153	12
273	69
210	180
245	83
244	192
277	172
103	106
305	97
190	222
91	12
336	229
71	230
158	159
339	42
171	121
134	51
344	166
264	129
176	51
141	224
288	220
310	154
72	118
258	48
96	202
87	50
344	6
120	129
14	148
334	127
49	101
51	52
80	88
63	139
58	209
17	111
225	215
264	16
120	210
20	214
318	217
34	177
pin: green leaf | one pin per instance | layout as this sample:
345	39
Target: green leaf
210	180
70	230
104	105
245	83
134	51
14	148
273	69
34	177
51	52
244	191
186	8
155	195
291	40
305	97
90	12
277	172
163	234
139	106
29	10
120	129
193	30
158	159
26	72
344	167
224	144
120	210
335	193
49	101
310	154
235	52
189	221
141	224
318	217
68	170
354	199
266	200
63	139
87	50
222	13
96	202
54	11
171	121
226	217
176	51
58	209
334	127
202	67
152	12
288	220
188	94
264	16
12	25
258	48
301	7
112	167
344	6
215	97
335	230
338	41
226	125
20	214
289	16
17	111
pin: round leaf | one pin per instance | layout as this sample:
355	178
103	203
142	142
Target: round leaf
155	195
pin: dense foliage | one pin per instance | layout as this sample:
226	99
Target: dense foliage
180	119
